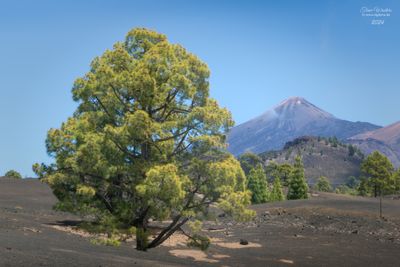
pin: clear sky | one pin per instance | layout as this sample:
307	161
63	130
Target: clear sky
259	53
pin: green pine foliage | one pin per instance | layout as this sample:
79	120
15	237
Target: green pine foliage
257	184
379	175
145	141
13	174
277	192
298	188
249	161
285	170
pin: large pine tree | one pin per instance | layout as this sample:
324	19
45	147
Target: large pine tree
298	188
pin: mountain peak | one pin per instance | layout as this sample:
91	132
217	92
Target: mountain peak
299	106
291	118
294	100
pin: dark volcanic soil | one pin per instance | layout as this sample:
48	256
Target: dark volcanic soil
327	230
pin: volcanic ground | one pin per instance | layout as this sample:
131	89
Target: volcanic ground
326	230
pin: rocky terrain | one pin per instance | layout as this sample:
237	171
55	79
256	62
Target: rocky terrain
326	230
290	119
320	157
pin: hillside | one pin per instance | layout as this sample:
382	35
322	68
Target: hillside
290	119
386	140
321	157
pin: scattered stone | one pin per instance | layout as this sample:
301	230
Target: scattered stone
244	242
286	261
355	232
34	230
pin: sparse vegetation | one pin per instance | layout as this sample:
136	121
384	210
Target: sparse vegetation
345	190
106	242
324	160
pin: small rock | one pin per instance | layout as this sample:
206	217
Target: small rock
244	242
355	232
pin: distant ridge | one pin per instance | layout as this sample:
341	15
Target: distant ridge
386	140
321	157
292	118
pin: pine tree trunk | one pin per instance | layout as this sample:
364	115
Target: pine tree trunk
380	205
141	238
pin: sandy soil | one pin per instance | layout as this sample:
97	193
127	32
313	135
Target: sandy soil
327	230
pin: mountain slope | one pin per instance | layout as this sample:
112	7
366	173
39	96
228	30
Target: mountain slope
321	157
290	119
386	140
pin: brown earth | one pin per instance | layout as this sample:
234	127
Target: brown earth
326	230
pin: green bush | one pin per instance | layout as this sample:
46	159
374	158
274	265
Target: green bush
345	190
323	185
13	174
106	242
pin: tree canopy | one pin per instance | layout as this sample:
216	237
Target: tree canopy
13	174
379	176
146	141
378	172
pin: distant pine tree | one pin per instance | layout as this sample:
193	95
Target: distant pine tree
298	188
257	184
277	193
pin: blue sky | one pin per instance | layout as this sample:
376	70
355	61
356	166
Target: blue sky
259	53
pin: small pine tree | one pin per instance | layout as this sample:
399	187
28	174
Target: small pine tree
257	184
323	184
298	188
277	193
